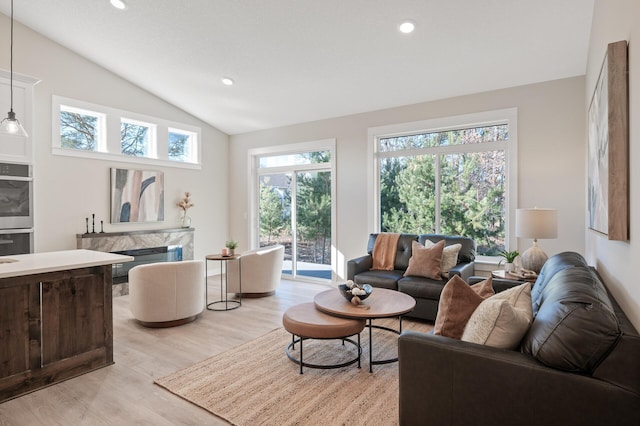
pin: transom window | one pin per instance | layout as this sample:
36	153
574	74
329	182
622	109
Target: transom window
81	129
136	138
451	180
182	145
95	131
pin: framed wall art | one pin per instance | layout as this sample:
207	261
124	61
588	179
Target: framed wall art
608	181
137	196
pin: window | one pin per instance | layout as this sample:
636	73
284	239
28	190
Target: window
182	145
136	138
81	129
452	180
94	131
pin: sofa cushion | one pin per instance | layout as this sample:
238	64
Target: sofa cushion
502	320
421	288
576	326
457	302
380	279
552	266
425	261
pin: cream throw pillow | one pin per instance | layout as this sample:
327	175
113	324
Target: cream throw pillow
502	320
449	256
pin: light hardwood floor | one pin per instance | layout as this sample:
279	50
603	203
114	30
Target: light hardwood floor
124	393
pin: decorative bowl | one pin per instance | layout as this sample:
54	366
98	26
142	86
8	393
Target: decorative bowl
346	291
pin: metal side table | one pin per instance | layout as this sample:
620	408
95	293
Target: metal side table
227	304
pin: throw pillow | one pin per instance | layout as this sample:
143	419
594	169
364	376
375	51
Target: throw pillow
457	302
502	320
449	256
425	262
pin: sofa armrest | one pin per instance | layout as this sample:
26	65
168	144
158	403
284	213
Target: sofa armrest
464	270
358	265
448	381
499	284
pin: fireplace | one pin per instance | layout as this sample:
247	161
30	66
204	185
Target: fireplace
131	241
142	256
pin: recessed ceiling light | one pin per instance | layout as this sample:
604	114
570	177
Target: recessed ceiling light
407	27
118	4
227	81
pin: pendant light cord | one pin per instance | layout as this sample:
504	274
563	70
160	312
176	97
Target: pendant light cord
11	58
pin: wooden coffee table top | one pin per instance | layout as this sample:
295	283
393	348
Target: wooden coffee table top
382	303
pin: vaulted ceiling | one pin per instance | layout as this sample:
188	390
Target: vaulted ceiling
294	61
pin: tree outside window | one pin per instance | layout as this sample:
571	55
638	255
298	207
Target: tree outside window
78	130
446	185
134	139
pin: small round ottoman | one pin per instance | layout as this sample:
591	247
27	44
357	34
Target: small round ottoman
306	322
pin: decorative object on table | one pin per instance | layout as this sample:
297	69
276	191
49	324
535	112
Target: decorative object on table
509	258
355	293
231	247
86	219
137	196
10	124
93	223
185	204
102	226
608	182
536	223
224	251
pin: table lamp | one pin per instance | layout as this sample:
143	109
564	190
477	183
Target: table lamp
535	223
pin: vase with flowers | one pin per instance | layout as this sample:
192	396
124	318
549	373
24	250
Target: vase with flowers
185	204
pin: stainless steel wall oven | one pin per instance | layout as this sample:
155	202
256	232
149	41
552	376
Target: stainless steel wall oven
16	208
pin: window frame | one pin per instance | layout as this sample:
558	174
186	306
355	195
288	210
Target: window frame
193	146
158	139
101	140
504	116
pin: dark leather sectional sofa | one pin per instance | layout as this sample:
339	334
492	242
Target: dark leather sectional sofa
426	291
579	363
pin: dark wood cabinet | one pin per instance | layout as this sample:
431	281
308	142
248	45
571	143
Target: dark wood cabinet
54	326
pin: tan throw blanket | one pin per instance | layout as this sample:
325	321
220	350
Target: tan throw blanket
384	251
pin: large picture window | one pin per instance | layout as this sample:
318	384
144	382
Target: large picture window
452	180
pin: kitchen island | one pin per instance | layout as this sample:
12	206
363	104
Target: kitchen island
56	319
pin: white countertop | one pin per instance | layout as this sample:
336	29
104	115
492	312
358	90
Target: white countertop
38	263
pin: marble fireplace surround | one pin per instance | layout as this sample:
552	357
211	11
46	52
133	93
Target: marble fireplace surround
130	240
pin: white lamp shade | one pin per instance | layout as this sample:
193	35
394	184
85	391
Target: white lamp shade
537	223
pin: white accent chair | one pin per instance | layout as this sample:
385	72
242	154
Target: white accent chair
261	271
167	294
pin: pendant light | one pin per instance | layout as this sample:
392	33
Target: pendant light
11	125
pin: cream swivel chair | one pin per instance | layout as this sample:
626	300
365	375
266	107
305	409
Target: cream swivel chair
261	270
167	294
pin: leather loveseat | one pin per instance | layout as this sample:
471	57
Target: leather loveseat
578	364
426	291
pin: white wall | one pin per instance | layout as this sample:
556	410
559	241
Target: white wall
551	136
69	189
615	20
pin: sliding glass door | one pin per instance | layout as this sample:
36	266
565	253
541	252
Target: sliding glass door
295	210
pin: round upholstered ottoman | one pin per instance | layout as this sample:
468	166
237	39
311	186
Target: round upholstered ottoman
306	322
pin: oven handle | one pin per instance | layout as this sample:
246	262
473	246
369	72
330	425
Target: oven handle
18	178
16	231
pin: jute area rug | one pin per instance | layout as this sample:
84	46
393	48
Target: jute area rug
256	384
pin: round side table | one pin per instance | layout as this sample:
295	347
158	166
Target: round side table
224	303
